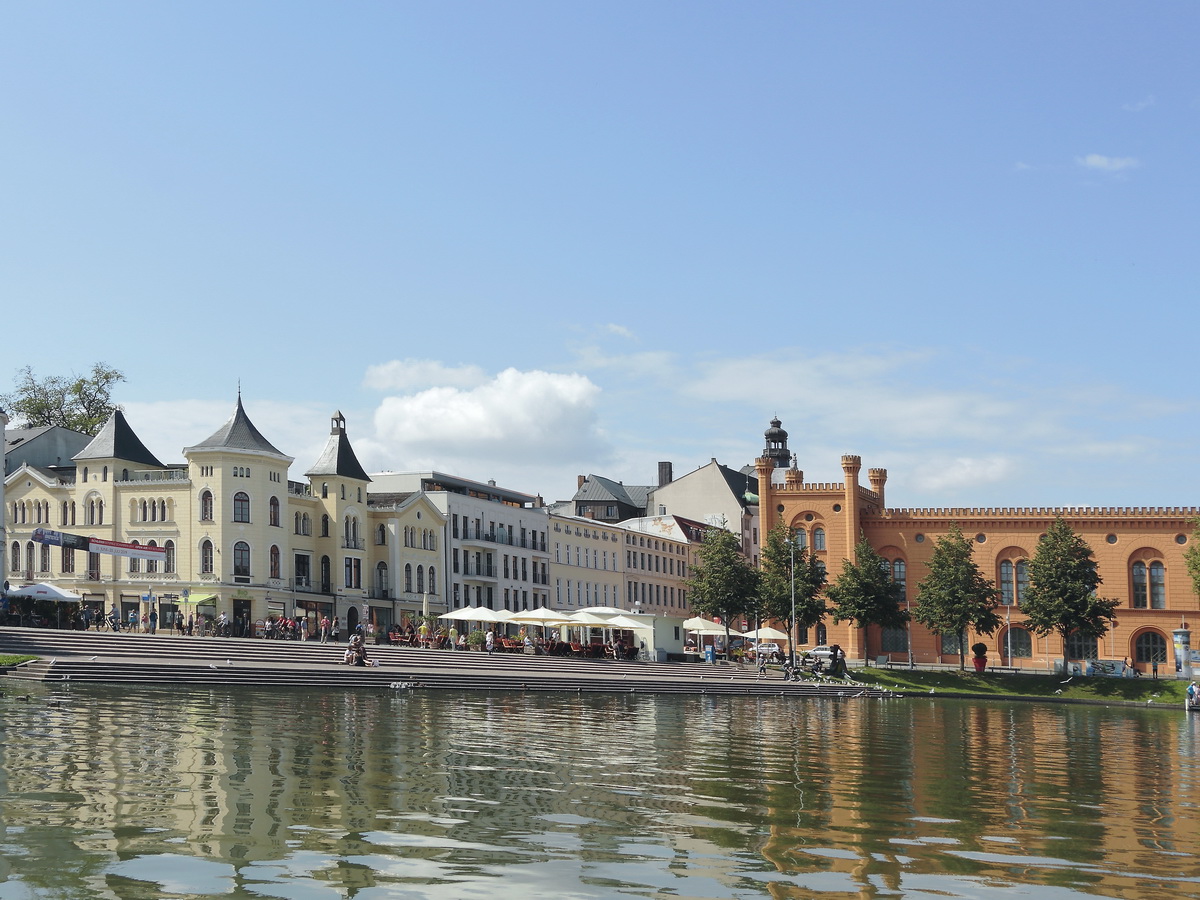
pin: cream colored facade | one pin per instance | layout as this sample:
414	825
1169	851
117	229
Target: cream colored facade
240	537
585	563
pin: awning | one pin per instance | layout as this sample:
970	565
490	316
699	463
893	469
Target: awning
207	600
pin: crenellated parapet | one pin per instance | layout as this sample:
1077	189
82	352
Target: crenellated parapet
1045	512
851	464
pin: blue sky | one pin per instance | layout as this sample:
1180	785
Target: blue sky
526	241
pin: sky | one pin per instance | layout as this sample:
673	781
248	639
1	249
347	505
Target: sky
527	241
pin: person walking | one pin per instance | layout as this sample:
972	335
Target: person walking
153	621
324	629
490	641
337	629
452	644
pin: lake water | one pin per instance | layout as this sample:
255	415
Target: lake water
150	793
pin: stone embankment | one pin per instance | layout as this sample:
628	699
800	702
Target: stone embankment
169	659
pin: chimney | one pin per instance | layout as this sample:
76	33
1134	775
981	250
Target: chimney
580	481
666	473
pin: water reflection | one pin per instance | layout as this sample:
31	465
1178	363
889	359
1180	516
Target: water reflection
131	793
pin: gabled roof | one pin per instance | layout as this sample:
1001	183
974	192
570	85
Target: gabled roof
238	433
598	488
338	456
116	440
741	483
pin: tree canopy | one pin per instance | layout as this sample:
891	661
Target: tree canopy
954	595
722	583
79	402
1061	596
1191	557
776	585
865	592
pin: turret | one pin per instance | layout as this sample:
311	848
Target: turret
878	478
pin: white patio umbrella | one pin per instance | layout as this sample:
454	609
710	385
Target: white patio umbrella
628	623
707	626
475	614
45	592
541	616
767	633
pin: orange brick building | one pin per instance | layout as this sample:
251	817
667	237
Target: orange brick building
1138	551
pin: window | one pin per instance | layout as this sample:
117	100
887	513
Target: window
1018	643
408	581
432	580
1080	646
894	640
951	645
1014	581
169	558
273	512
819	539
241	560
68	560
206	558
900	575
420	579
135	564
1153	586
325	526
44	564
275	567
381	535
1150	647
152	564
206	506
241	507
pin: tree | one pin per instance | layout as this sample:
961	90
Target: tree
955	596
1191	557
81	403
865	592
783	569
722	583
1062	588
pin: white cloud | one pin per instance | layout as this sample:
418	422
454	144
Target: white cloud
1107	163
415	374
955	475
517	425
619	330
1140	105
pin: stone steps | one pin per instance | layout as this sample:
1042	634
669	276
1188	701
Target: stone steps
161	659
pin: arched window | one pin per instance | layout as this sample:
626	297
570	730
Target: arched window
325	525
381	578
324	489
432	580
1149	582
169	559
381	535
1080	646
99	512
818	538
900	575
14	552
305	524
206	506
241	507
296	523
206	558
1014	581
162	510
241	560
325	575
420	579
408	578
152	564
1017	643
145	512
63	514
273	512
822	635
1150	647
104	476
274	561
85	474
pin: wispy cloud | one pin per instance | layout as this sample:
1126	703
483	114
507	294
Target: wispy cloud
415	374
1100	163
1140	105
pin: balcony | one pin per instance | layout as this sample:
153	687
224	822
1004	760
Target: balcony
488	572
353	544
478	537
302	583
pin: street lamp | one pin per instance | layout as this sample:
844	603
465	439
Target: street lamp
792	623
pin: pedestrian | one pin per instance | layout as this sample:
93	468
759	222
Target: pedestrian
191	626
324	629
114	619
133	620
153	621
490	641
87	618
337	629
179	622
453	643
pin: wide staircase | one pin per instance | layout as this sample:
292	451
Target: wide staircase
85	656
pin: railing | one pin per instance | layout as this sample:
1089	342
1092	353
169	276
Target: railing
479	571
299	489
352	544
168	475
302	583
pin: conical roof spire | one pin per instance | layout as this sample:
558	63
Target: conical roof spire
338	456
238	433
116	440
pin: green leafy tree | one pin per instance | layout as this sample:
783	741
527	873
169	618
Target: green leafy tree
722	583
955	596
1191	557
81	403
1061	596
781	569
865	592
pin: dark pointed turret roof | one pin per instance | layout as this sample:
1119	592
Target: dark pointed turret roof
116	440
238	433
338	456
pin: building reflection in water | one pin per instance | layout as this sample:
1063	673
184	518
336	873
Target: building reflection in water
698	796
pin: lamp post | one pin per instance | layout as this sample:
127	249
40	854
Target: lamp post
792	623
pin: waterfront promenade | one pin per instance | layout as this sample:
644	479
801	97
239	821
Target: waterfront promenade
85	656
